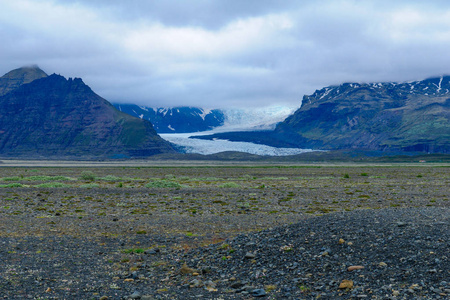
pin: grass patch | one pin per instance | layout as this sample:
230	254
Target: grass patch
133	250
13	178
110	178
47	178
230	185
53	185
162	183
11	185
89	185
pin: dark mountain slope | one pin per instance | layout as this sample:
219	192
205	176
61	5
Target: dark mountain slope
176	119
56	117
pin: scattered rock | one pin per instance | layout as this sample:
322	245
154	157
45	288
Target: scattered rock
135	295
258	293
186	270
346	284
352	268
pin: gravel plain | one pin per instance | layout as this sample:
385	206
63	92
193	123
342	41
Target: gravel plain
272	232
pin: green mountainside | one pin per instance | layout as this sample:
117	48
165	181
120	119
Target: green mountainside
411	116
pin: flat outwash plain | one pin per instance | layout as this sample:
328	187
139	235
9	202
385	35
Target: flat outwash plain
225	232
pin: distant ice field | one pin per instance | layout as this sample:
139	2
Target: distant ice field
264	118
216	146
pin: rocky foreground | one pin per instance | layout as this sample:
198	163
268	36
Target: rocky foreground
373	254
338	232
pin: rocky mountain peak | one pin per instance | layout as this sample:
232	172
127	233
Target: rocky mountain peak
15	78
57	117
434	86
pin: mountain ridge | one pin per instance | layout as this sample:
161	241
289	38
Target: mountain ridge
57	117
180	119
410	116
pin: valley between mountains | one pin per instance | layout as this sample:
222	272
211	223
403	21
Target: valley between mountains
53	117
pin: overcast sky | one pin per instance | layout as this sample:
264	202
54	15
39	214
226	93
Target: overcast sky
222	53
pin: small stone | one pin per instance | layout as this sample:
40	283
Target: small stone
258	293
352	268
186	270
129	280
350	243
250	255
48	290
346	284
195	283
341	241
382	264
195	274
401	224
210	283
395	293
135	295
436	290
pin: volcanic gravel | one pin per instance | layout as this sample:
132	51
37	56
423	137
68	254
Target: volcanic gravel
396	253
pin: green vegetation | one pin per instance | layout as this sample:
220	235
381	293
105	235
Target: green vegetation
89	185
162	183
88	176
133	250
11	185
233	185
53	185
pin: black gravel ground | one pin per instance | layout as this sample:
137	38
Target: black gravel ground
404	254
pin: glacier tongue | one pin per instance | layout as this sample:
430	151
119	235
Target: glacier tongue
215	146
246	119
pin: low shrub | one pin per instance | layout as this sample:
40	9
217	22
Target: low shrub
88	175
162	183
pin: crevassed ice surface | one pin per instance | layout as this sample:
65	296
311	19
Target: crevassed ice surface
263	118
216	146
246	119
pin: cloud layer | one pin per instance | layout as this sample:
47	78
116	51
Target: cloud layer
225	53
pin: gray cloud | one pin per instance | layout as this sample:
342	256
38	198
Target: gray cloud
225	53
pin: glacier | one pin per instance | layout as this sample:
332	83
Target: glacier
215	146
248	119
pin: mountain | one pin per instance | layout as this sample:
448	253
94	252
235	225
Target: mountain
18	77
176	119
57	117
412	116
